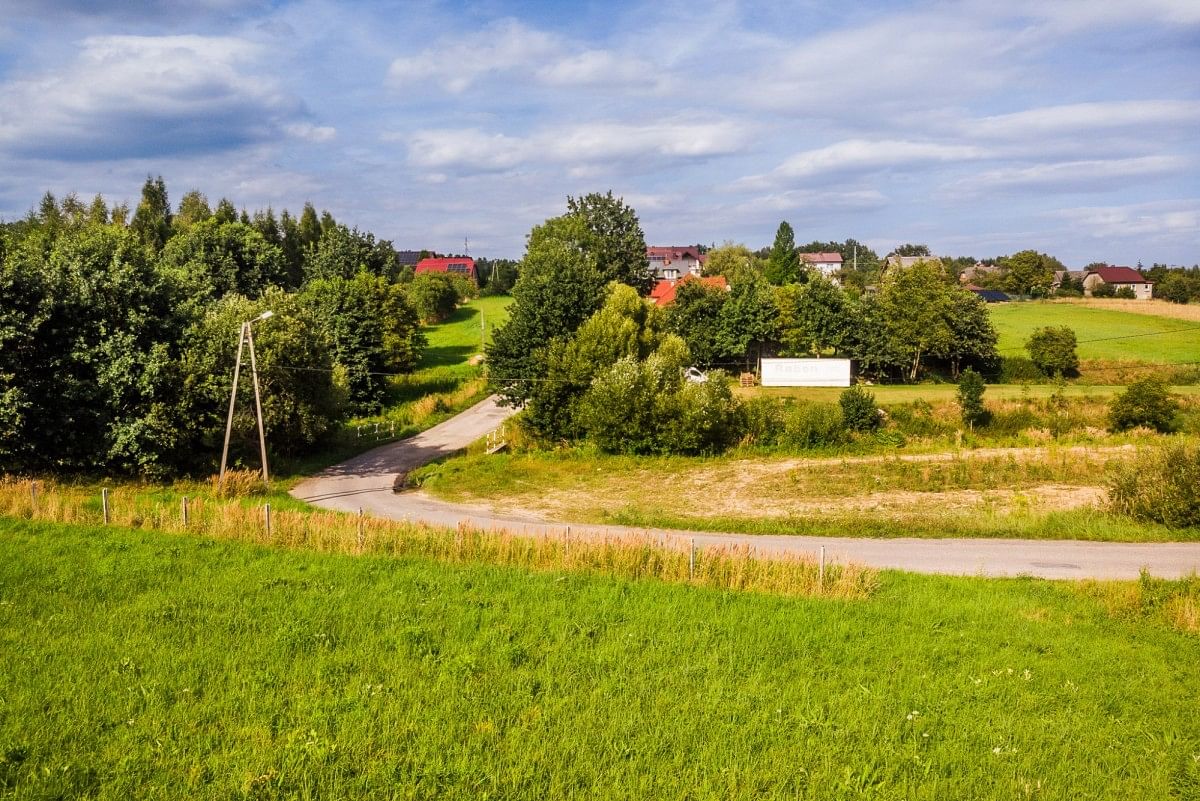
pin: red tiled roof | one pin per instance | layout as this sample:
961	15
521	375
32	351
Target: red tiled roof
464	267
673	251
822	258
663	293
1119	275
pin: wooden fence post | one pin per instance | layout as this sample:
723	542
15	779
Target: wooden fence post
185	512
104	503
267	518
821	570
692	560
361	534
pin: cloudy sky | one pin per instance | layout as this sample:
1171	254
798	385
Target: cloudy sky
978	127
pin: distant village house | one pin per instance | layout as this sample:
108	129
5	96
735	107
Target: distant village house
454	266
672	263
828	264
1119	278
663	293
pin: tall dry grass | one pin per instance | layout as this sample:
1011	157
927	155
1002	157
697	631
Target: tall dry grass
668	559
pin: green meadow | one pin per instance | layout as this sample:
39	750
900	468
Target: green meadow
1103	334
136	664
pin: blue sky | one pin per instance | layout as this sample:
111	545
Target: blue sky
980	128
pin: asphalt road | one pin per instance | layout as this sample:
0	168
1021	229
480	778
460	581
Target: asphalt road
366	482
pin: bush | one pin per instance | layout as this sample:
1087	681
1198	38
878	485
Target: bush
435	295
1176	288
761	421
970	398
813	425
1052	350
1019	370
1104	291
1144	403
1161	486
859	412
1125	293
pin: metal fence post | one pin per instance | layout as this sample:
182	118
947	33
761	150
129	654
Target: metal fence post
361	533
821	569
692	560
104	503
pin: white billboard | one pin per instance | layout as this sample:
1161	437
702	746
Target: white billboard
806	372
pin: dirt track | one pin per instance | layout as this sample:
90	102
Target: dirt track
366	482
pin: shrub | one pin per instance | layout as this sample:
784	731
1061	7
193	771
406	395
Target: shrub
761	420
434	295
1177	288
813	425
1052	350
1125	293
699	417
1104	291
1161	486
970	398
919	419
1019	370
859	412
1144	403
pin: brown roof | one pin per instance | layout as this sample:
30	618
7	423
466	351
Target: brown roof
1119	275
673	251
822	258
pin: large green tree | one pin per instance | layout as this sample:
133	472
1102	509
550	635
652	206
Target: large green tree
812	318
783	265
152	218
220	258
615	239
1028	272
696	317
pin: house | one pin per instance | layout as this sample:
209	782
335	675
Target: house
663	293
828	264
1076	277
672	263
1118	277
904	262
977	271
454	266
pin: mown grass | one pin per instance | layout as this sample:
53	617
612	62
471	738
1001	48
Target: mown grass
941	393
454	341
1103	333
136	664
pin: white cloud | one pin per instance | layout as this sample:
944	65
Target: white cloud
1074	176
127	96
1173	218
673	139
311	133
860	156
511	48
1146	115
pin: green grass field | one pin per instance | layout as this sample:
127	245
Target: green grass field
141	665
934	393
1144	337
454	341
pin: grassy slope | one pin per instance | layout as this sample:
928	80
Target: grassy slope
453	342
141	665
1016	321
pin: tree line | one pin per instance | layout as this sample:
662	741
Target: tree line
118	330
587	356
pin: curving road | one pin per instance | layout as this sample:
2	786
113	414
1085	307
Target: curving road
366	482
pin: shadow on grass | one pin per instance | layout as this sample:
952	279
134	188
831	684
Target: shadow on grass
446	355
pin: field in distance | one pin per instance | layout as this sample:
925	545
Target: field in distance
188	667
1103	330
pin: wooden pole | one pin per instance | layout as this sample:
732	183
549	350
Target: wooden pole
262	438
692	560
267	518
104	503
237	370
33	496
183	504
821	569
361	533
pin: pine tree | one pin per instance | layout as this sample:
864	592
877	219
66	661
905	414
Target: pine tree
310	227
152	219
226	212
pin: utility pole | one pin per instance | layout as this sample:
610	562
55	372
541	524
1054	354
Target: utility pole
246	337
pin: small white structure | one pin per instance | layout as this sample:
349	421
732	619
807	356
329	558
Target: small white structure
805	372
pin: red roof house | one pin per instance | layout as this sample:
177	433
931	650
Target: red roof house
454	266
663	293
1119	277
674	261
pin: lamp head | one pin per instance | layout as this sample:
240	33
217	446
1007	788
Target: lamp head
264	316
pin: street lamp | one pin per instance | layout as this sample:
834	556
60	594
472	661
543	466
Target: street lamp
246	337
